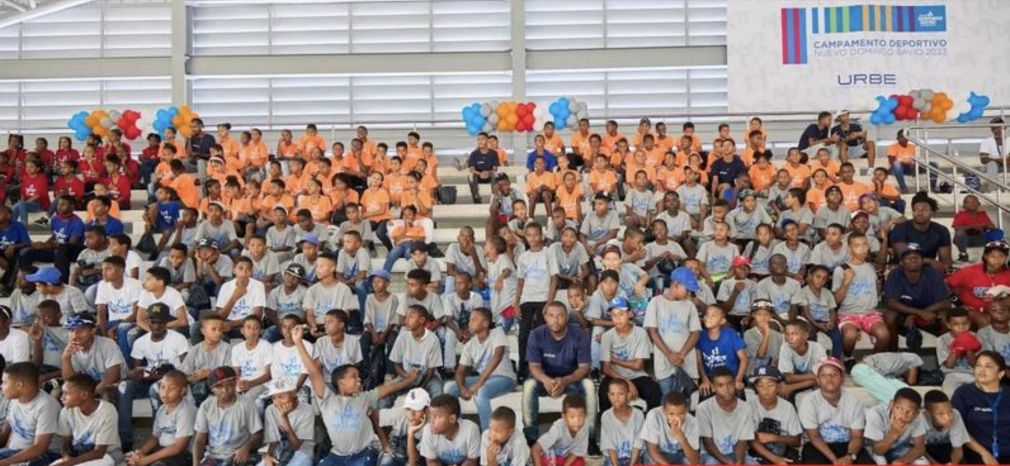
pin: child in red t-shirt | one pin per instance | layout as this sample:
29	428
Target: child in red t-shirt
149	158
118	182
970	225
66	151
34	191
70	184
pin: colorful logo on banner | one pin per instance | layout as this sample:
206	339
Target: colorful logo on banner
799	23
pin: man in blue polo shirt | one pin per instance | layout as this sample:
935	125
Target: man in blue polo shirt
558	356
932	238
818	135
198	147
13	238
482	165
915	297
64	245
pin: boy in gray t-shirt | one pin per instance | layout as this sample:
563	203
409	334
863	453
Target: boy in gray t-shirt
95	433
288	411
228	429
32	424
946	434
568	436
437	446
724	421
901	415
173	426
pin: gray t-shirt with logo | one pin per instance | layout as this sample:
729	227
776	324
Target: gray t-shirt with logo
635	345
227	427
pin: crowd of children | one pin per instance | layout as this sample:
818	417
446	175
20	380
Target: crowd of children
658	270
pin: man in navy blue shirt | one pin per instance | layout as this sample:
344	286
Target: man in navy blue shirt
726	168
818	134
558	356
482	164
198	147
915	298
64	245
13	238
102	218
852	140
932	238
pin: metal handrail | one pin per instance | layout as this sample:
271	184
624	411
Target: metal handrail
924	163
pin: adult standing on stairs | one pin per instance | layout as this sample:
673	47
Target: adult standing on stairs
993	151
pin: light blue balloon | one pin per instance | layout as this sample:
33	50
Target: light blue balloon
875	119
82	135
889	118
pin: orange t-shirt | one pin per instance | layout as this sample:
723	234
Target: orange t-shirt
503	156
377	201
339	198
817	198
668	179
695	141
654	157
605	181
255	154
559	177
618	159
764	136
761	178
904	155
632	168
421	200
851	193
375	163
831	168
244	205
90	214
347	163
320	206
180	149
665	144
368	148
163	173
287	149
889	191
222	175
306	143
267	204
554	144
798	174
401	233
413	155
185	186
294	184
429	183
639	138
580	142
229	146
397	184
205	206
236	162
570	201
535	180
609	143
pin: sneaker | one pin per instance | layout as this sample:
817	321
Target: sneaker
913	338
962	257
849	364
44	221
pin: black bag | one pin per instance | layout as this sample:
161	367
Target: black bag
446	194
198	298
146	243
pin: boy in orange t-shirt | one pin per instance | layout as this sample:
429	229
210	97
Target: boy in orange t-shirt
184	184
669	175
644	129
654	154
503	155
851	189
552	140
569	197
762	173
396	181
417	197
316	202
341	194
293	182
310	140
540	186
286	147
603	178
610	137
799	173
663	141
823	161
688	130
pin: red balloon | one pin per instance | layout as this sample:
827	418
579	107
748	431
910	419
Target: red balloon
528	120
132	133
521	110
124	123
532	105
905	101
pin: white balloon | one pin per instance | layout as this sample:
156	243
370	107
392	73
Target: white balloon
961	106
487	127
538	124
925	108
143	125
582	114
571	122
485	110
573	105
926	94
918	103
107	122
583	108
115	115
493	119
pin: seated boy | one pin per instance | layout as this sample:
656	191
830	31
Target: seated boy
289	430
718	346
620	426
895	431
168	444
228	430
418	349
152	355
336	348
181	269
956	349
88	353
777	431
202	358
724	421
240	297
566	443
32	418
285	299
946	435
49	340
449	439
670	433
251	360
502	441
86	426
797	358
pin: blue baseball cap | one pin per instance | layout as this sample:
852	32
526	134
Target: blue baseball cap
787	222
80	320
686	277
381	273
310	238
47	275
618	303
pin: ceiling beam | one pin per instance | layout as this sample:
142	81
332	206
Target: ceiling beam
46	9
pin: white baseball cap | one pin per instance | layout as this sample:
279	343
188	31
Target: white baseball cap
417	399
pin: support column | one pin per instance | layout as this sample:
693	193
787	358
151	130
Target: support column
519	141
180	52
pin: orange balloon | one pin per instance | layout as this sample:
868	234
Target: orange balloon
178	121
185	131
184	108
100	130
512	119
91	121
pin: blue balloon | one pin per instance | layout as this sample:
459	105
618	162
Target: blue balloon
875	119
889	118
553	108
975	113
82	135
563	101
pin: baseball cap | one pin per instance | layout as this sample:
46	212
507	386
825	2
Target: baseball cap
762	304
686	277
416	399
221	374
857	213
281	206
829	361
833	188
840	114
787	222
159	312
997	245
741	260
611	248
382	273
310	238
618	303
207	243
48	275
766	371
216	159
219	204
280	388
295	270
913	248
79	320
744	193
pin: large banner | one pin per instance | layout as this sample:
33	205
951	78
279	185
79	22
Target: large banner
811	55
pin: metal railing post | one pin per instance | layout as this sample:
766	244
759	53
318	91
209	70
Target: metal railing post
922	152
955	189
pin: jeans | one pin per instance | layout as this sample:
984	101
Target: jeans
811	455
272	334
21	210
836	341
366	457
529	317
401	251
44	460
382	232
147	167
362	288
133	389
668	458
494	386
298	458
126	334
533	390
254	458
899	170
965	241
474	180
